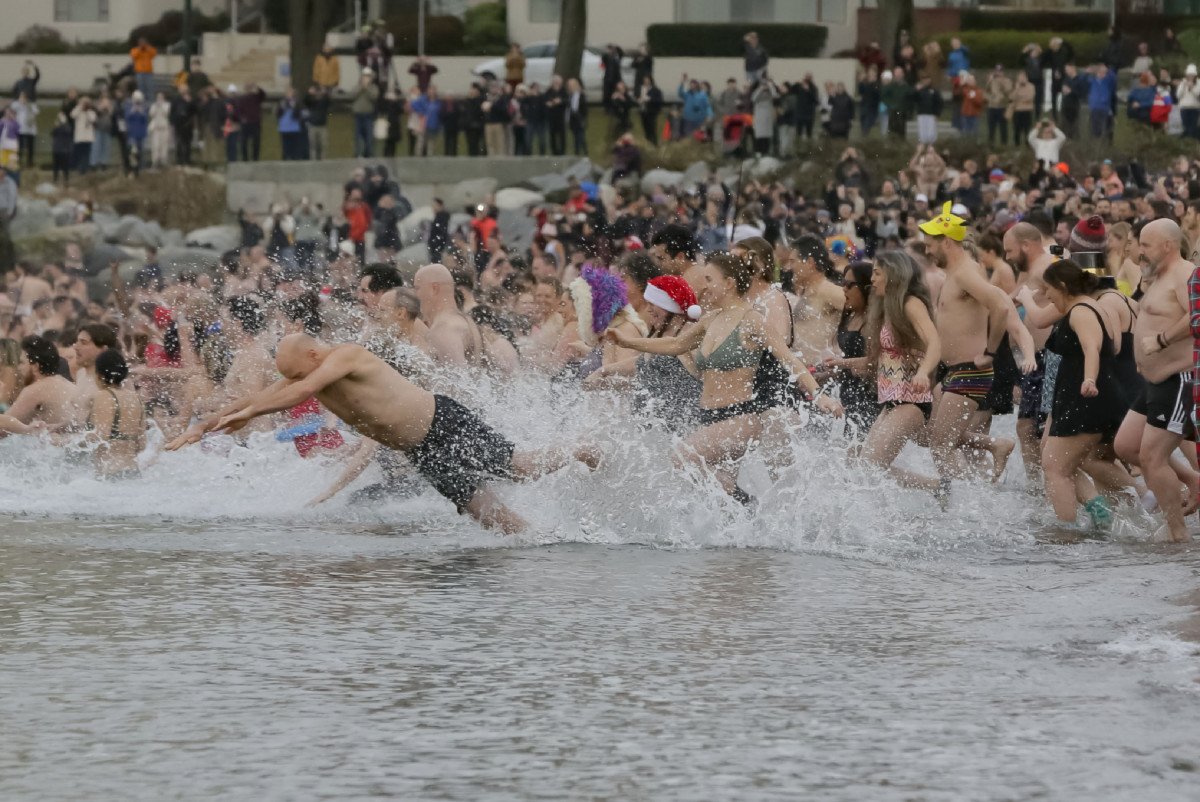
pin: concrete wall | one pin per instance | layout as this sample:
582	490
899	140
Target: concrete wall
255	186
219	49
62	72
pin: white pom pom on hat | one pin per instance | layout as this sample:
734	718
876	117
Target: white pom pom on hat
695	312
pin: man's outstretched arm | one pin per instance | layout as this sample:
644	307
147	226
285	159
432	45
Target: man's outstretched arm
287	394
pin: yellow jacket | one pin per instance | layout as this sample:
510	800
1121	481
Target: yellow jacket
326	70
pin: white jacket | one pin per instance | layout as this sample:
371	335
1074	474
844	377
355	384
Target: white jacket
1047	150
1188	93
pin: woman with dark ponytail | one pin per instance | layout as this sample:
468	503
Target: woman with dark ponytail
1089	403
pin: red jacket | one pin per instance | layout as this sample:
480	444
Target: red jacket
359	218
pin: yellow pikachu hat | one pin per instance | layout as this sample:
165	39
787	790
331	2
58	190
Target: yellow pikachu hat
946	224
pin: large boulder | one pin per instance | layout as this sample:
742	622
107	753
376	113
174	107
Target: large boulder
216	238
517	198
49	244
582	170
471	192
517	228
763	166
661	178
46	189
101	255
412	226
696	173
34	216
143	234
182	260
548	183
64	212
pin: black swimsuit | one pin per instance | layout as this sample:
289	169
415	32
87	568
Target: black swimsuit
460	451
1072	413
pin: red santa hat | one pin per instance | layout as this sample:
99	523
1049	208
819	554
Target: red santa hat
673	294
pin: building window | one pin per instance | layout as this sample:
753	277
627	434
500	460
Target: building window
545	11
81	10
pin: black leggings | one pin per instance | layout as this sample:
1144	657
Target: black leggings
27	142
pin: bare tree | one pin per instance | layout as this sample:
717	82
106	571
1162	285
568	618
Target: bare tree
893	16
308	22
572	31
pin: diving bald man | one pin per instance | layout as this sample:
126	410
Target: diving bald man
448	443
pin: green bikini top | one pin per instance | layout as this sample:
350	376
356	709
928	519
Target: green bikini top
730	354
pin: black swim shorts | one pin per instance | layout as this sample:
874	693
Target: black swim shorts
460	452
1167	404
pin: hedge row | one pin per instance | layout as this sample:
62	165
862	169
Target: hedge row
977	19
797	40
989	48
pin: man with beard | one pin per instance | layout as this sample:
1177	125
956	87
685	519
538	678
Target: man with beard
1160	418
971	318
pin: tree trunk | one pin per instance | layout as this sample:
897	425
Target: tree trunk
894	16
571	35
308	22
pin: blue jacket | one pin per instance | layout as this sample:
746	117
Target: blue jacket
1100	92
431	110
289	118
696	107
957	61
1144	97
136	123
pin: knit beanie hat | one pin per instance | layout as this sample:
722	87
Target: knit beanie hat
1088	236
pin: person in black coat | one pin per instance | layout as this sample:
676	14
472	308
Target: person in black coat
841	112
808	100
439	231
650	103
556	115
1061	54
643	68
450	113
611	64
470	119
533	107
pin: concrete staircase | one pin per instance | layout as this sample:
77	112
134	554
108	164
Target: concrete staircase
256	65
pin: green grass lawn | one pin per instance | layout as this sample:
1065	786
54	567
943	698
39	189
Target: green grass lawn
341	135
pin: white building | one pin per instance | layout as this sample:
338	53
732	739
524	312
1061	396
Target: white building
624	22
91	20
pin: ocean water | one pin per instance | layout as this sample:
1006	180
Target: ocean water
200	634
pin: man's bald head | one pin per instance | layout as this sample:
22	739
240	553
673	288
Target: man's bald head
1161	242
433	274
297	355
434	285
1022	243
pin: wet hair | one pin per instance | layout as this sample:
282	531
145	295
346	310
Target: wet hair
639	267
246	311
1068	277
810	246
111	368
676	239
103	335
383	277
904	280
992	244
42	354
408	301
761	254
1041	220
739	269
304	308
488	316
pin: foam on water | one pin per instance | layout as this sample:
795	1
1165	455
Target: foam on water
819	501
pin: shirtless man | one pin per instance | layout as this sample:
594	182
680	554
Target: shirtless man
251	369
48	398
819	302
93	340
448	444
1025	250
1160	418
453	338
971	320
26	287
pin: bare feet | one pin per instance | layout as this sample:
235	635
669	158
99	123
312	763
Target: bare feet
1002	450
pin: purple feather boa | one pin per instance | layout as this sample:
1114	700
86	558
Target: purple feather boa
609	296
